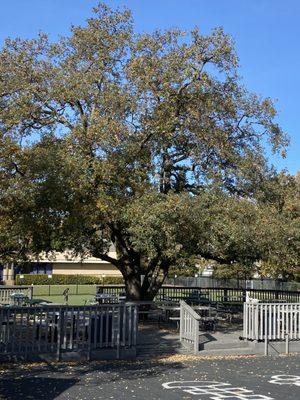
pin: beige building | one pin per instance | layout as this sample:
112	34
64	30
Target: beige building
65	263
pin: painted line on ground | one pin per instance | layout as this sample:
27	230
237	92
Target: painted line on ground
215	390
285	380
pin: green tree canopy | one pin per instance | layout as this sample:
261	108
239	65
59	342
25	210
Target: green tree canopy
147	141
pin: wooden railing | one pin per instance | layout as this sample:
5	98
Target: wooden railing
189	326
7	291
271	321
26	332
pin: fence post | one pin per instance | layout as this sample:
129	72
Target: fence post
244	295
266	332
88	355
135	325
121	326
245	321
181	321
287	343
256	322
225	295
196	337
59	334
77	284
31	292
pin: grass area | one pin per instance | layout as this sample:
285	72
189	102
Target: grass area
78	294
74	300
56	290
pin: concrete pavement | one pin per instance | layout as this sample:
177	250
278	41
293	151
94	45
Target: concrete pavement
179	377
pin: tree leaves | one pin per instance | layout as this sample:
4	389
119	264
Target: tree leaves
149	141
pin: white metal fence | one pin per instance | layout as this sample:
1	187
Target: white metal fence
26	332
189	326
271	321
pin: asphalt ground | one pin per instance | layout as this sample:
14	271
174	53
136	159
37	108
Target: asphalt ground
178	377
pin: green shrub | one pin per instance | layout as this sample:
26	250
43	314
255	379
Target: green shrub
58	279
113	280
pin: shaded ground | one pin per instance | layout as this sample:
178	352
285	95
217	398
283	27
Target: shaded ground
144	380
163	339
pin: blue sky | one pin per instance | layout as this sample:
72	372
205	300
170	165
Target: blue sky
266	32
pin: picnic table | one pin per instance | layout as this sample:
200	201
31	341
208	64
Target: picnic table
225	299
169	308
101	297
18	299
198	297
38	302
172	313
146	309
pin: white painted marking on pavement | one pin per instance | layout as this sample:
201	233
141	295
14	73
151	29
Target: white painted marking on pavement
215	390
285	380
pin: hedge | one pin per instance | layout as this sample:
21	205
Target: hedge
59	279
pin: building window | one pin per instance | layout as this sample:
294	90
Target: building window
41	268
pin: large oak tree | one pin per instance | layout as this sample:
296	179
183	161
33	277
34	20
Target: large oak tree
147	141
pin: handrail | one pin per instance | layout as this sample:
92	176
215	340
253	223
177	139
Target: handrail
190	310
189	326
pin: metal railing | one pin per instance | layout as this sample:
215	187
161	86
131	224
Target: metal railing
7	291
26	332
189	326
212	294
210	282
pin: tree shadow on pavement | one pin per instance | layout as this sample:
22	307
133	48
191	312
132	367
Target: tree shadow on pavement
48	381
13	387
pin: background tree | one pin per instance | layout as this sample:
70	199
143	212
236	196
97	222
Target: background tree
282	194
148	141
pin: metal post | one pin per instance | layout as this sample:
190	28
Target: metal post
121	321
31	292
225	295
287	343
59	334
244	291
88	355
175	276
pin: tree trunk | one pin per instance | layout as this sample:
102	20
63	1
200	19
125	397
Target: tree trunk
133	288
136	291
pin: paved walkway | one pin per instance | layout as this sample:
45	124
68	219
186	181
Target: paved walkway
255	378
155	342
